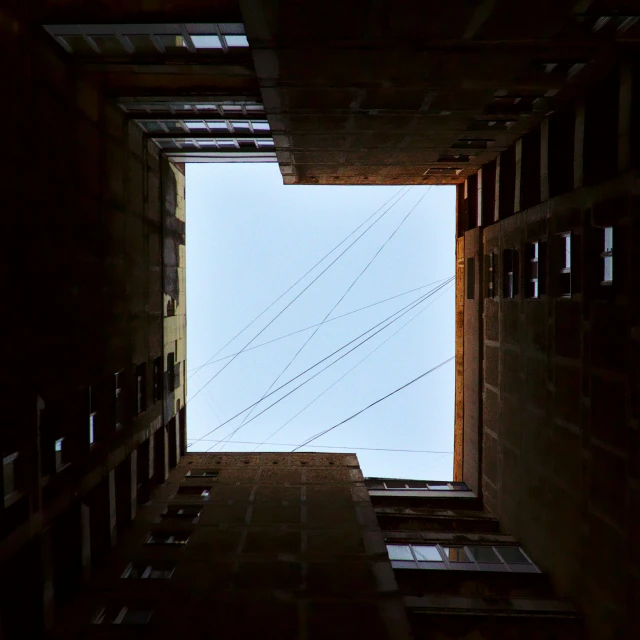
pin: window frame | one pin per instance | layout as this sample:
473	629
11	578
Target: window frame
509	273
168	538
490	268
565	251
607	256
147	573
470	278
471	564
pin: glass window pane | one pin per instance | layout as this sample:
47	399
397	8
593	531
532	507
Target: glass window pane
217	124
196	125
608	269
395	484
608	238
439	486
512	555
567	252
241	125
484	554
206	42
237	41
172	42
399	552
456	554
427	552
260	126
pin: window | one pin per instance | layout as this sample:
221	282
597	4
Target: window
533	270
176	538
490	274
471	278
158	39
202	473
607	257
141	387
121	615
171	307
59	451
456	558
157	379
509	273
171	372
194	490
9	473
92	417
422	485
176	375
119	400
143	571
564	248
182	511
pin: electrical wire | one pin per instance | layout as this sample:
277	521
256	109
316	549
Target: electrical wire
215	375
334	307
224	346
404	386
232	433
344	448
293	333
350	370
402	311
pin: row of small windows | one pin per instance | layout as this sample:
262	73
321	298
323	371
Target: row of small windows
460	558
562	269
56	447
158	569
417	485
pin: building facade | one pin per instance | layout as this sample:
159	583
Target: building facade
548	324
530	113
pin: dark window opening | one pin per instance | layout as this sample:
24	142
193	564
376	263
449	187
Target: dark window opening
182	511
10	473
490	274
121	615
144	571
171	307
141	388
510	273
607	257
92	416
564	280
471	278
157	379
202	473
167	537
194	490
119	400
171	372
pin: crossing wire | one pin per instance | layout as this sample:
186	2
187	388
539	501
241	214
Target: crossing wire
293	333
344	295
324	446
348	372
402	311
404	386
224	346
195	395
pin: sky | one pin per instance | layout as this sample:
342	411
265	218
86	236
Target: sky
249	239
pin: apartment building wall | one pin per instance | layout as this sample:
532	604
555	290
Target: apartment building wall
559	403
284	545
83	227
470	598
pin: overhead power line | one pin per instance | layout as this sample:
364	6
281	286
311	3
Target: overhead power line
215	375
324	446
293	333
315	375
334	307
404	386
350	370
402	311
302	277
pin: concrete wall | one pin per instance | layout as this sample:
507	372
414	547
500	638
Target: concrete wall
286	546
83	281
559	403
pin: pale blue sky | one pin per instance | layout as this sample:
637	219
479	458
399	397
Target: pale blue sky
249	238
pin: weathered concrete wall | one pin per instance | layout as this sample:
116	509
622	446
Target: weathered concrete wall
286	545
82	194
560	406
